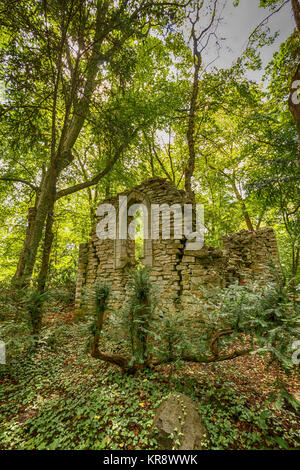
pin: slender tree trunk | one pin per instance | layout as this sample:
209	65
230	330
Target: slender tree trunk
260	218
42	277
243	206
238	196
295	261
21	262
197	50
143	337
190	168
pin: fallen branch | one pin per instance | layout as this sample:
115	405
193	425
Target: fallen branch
127	367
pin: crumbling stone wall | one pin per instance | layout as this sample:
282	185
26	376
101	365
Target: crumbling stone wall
246	256
176	272
251	255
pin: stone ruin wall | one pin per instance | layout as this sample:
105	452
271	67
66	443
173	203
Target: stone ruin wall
245	257
176	272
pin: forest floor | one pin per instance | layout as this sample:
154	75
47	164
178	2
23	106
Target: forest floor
61	398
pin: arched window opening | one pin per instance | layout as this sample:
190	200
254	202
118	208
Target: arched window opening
137	248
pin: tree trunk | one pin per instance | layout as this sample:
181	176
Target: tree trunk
99	324
60	161
294	104
44	205
296	12
197	50
190	168
295	261
143	335
42	277
63	157
21	262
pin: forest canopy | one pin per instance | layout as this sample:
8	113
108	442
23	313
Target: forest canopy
87	111
98	96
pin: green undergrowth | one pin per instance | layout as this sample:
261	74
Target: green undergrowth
57	397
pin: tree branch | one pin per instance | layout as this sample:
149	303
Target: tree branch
265	20
19	180
92	182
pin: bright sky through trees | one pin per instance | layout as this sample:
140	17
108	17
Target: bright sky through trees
238	24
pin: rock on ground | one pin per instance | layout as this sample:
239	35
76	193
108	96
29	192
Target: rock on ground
178	425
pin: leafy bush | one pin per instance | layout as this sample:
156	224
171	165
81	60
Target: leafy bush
18	340
268	314
61	284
